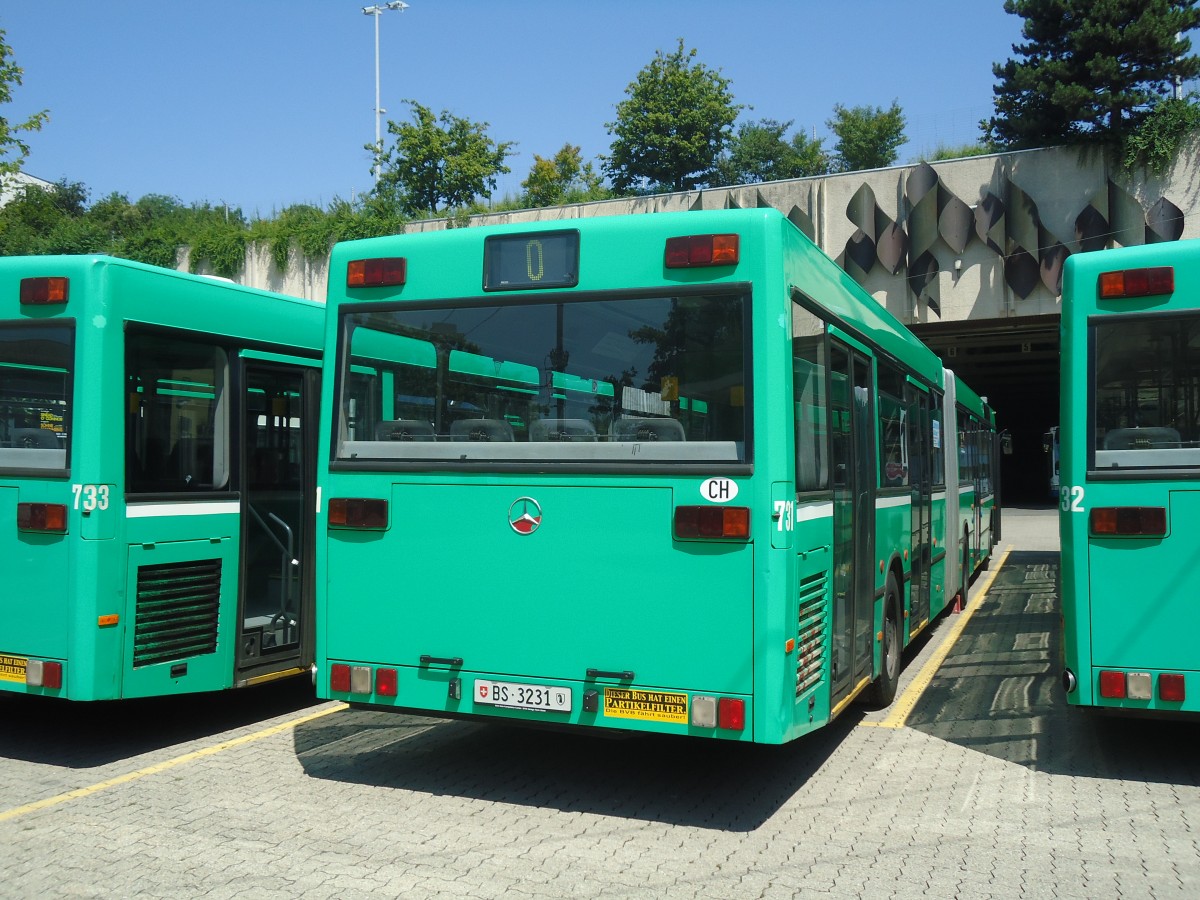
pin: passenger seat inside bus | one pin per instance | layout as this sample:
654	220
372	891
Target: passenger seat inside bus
646	429
404	430
1141	438
481	430
562	430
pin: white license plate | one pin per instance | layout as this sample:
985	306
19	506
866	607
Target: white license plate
548	698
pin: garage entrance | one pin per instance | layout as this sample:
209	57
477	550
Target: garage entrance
1014	363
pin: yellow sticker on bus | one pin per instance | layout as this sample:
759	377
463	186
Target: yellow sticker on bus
650	706
12	668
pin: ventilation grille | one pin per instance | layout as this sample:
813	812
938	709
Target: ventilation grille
177	606
810	634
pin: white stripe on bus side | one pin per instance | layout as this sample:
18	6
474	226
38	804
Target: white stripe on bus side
151	510
814	511
892	502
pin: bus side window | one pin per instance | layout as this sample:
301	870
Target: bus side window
893	459
810	406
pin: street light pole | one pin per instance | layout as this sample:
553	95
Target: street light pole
376	11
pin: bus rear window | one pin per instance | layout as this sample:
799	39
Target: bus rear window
1146	393
627	380
35	396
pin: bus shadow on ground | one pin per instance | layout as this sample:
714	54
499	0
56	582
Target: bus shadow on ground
678	781
88	735
999	693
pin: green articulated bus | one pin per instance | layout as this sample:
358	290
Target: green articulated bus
1129	498
673	473
157	479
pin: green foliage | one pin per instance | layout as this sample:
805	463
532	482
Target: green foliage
564	179
1156	142
867	137
13	150
152	230
222	246
439	162
760	152
1089	71
309	228
961	152
670	130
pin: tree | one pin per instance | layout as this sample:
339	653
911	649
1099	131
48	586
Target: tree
671	128
439	162
867	137
1089	70
760	152
13	150
564	179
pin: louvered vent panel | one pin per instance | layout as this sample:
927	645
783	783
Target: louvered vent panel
177	606
810	634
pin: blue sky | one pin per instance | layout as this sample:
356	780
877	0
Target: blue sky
262	105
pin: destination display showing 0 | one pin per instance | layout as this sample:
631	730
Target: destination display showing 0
548	698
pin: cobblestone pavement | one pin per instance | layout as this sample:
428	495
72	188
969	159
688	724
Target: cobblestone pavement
991	787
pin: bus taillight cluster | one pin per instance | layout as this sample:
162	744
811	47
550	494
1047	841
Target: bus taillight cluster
1131	283
346	679
44	291
1139	686
1128	521
700	250
44	674
48	517
712	522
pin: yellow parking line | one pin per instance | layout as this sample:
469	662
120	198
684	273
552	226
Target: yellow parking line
76	794
903	707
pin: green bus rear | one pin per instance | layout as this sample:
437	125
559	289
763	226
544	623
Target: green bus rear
1129	500
157	487
671	473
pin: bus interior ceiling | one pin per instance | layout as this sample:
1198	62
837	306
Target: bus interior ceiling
1014	364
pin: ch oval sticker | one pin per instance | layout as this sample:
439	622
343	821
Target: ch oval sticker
718	490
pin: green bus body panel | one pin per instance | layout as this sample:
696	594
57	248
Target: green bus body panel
602	584
37	577
91	571
1128	604
597	585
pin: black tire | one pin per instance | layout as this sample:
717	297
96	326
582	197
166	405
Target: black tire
882	691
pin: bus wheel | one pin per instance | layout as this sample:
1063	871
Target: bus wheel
883	689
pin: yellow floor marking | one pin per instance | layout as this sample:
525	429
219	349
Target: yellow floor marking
907	702
76	794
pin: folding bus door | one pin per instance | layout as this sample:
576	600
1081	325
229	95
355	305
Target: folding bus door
278	438
853	518
917	424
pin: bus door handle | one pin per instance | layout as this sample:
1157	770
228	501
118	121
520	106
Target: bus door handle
626	675
454	661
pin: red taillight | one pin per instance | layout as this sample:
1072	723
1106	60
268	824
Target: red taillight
52	675
1129	521
1136	283
357	512
1112	685
339	678
377	272
386	682
44	291
1170	688
701	250
722	522
50	517
731	713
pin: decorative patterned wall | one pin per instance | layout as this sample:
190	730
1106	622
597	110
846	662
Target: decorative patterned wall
977	238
